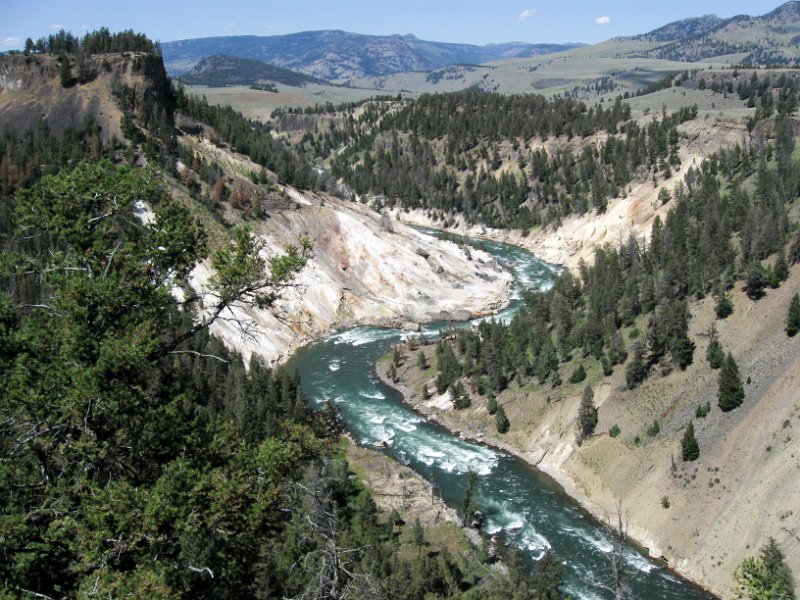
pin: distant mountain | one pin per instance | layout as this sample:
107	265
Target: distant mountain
341	56
221	70
773	38
685	28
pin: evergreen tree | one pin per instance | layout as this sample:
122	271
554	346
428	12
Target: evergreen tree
781	269
467	505
501	420
587	414
578	375
714	354
731	391
757	280
690	450
66	72
793	316
723	306
491	405
765	577
422	360
636	371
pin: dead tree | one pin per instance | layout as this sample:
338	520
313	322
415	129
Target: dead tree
618	536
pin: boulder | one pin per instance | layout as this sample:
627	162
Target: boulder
411	326
477	520
188	124
460	315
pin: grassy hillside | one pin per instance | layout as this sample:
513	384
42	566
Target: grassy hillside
260	104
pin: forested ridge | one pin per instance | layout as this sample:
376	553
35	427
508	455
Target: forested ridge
450	153
511	161
728	215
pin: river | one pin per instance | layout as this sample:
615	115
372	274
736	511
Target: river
532	511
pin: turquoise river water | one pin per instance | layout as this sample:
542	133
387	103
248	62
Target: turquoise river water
532	511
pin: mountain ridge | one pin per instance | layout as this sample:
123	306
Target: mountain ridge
222	70
336	55
771	38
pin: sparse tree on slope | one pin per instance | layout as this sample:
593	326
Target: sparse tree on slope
690	449
724	306
587	414
636	371
501	420
731	392
422	360
793	318
765	577
756	281
715	354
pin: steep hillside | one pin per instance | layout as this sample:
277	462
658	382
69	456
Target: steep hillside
719	509
364	270
762	40
31	89
341	56
221	70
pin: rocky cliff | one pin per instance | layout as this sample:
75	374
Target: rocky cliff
31	89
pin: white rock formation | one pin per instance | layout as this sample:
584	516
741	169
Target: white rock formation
359	274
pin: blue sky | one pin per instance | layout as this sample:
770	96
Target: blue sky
476	22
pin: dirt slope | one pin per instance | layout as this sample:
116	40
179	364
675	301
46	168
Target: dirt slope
30	90
362	274
721	508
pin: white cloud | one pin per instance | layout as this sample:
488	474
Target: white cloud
526	14
84	27
12	41
57	26
232	24
604	20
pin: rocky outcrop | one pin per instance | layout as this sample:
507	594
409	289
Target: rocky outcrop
30	89
362	274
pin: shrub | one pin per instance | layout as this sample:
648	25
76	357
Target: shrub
578	375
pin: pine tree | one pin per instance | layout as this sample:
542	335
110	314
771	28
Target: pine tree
690	450
756	280
793	317
636	371
731	392
724	306
467	505
501	420
587	413
766	576
714	354
781	269
422	360
66	72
